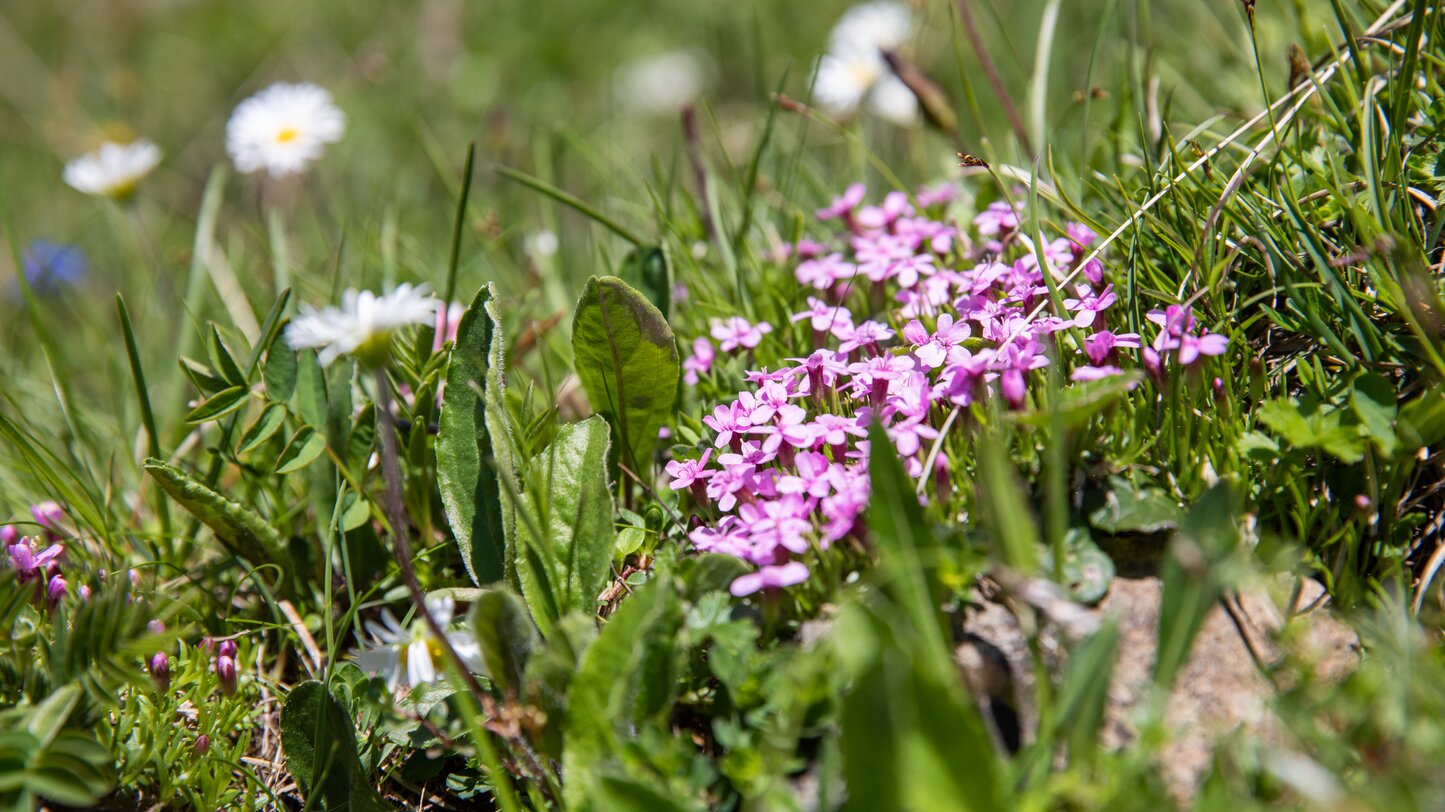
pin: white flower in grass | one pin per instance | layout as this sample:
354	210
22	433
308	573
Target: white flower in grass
854	71
362	326
412	656
114	169
283	129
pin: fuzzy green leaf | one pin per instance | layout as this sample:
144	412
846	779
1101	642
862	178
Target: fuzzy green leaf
476	465
627	676
565	538
320	745
506	636
238	527
626	357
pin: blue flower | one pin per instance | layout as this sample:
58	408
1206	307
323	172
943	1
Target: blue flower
50	266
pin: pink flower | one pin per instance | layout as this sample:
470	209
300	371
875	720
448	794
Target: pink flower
29	564
1094	373
997	219
936	195
825	272
824	317
843	206
1191	347
934	350
1089	304
769	577
700	362
736	331
870	334
1100	346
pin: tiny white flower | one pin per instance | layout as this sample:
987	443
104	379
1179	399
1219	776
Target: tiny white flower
283	129
412	656
854	70
114	169
363	325
544	243
872	27
662	83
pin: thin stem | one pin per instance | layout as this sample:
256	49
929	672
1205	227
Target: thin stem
395	509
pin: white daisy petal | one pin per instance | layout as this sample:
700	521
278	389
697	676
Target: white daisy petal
892	100
419	667
363	320
283	129
114	169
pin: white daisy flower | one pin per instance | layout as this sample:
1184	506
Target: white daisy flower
854	71
283	129
663	83
413	656
872	27
362	326
114	169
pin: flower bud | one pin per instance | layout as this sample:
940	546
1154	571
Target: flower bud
226	672
228	649
83	591
48	515
57	589
9	534
160	668
203	744
156	627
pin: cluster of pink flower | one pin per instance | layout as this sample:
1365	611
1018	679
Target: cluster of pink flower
968	319
31	562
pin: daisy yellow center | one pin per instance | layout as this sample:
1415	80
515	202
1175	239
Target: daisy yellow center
287	135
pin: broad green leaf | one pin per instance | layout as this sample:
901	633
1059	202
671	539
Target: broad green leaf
238	527
222	361
648	270
565	530
1310	425
628	675
310	389
1125	508
320	746
1373	398
219	405
205	379
301	450
263	429
280	371
621	793
1195	575
476	468
506	635
626	357
1422	420
911	739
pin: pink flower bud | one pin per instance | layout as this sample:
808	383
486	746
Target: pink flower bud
160	668
9	534
156	627
48	515
203	744
228	649
57	589
226	672
83	591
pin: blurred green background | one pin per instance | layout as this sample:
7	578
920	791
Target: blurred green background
585	94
